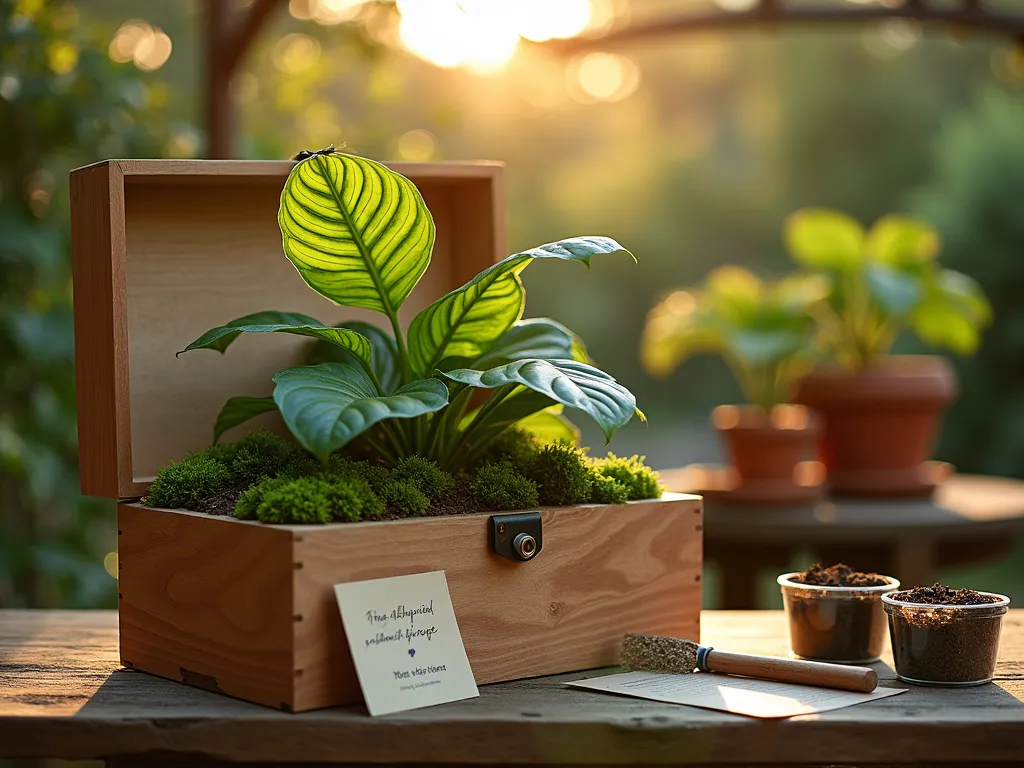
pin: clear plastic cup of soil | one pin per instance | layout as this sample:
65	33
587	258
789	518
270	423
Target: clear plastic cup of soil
945	645
842	625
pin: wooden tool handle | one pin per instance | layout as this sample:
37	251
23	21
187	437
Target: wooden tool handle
860	679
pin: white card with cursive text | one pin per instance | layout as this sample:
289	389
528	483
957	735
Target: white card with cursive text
405	642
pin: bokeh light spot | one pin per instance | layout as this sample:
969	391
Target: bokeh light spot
607	76
296	53
417	145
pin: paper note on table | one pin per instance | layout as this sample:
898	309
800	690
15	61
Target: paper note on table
739	695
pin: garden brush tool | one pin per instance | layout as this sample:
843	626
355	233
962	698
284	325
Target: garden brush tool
649	653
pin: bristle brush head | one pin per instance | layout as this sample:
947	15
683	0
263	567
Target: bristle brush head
659	654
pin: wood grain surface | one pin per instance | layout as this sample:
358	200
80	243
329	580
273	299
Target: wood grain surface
165	250
249	610
63	694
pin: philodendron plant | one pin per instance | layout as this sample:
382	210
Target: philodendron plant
360	235
761	329
883	281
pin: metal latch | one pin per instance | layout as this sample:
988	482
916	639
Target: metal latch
517	537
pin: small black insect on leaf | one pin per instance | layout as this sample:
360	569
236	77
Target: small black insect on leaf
306	154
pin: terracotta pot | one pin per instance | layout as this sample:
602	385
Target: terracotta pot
765	449
879	425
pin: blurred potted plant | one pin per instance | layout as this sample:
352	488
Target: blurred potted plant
880	412
763	332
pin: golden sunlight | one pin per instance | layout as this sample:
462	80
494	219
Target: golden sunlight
483	35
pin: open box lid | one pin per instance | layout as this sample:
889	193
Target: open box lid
164	250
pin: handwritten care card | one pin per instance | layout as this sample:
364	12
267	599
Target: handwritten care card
405	642
739	695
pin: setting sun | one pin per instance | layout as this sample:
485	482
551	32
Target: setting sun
483	34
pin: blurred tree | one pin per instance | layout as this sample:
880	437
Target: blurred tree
63	103
973	197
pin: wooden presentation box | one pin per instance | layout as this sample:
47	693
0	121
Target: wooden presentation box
163	251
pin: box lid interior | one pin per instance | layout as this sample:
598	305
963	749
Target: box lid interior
193	245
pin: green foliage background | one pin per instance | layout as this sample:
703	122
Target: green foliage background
726	135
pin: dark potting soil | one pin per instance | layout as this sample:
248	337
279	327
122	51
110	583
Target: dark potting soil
458	501
838	575
937	594
847	627
948	644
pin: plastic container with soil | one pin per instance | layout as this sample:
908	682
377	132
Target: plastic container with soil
838	624
945	644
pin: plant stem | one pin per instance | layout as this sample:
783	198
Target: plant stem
380	447
453	458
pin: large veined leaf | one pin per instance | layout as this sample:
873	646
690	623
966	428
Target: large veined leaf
384	363
327	405
538	338
220	338
239	410
469	321
576	385
358	233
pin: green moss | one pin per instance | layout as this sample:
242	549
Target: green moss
607	490
355	499
424	474
249	500
640	481
222	452
264	454
513	445
405	498
562	474
500	487
300	500
182	484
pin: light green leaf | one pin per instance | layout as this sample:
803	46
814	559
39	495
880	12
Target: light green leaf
239	410
551	426
358	233
965	292
327	405
220	338
539	338
576	385
952	314
824	239
898	292
384	362
902	241
942	324
469	321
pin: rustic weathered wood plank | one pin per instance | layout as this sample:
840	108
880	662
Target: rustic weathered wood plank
62	694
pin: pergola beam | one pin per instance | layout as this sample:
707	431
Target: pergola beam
970	15
228	37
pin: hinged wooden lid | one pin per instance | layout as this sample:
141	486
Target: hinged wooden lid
164	250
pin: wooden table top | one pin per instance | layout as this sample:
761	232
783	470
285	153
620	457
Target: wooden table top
63	694
963	507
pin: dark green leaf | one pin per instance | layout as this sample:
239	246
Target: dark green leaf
469	321
539	339
327	405
358	233
239	410
576	385
220	338
384	362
